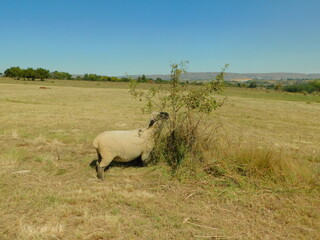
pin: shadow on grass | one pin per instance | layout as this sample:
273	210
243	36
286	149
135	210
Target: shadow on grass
134	163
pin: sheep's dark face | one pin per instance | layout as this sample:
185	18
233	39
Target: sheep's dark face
156	116
164	115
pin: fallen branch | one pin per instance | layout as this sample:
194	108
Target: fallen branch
214	237
189	196
198	225
22	171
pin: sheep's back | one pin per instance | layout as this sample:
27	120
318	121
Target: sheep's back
124	144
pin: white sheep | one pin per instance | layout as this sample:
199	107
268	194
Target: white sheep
125	146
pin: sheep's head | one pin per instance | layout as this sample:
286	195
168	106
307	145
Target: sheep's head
158	117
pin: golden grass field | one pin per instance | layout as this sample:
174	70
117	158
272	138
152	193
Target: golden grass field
49	191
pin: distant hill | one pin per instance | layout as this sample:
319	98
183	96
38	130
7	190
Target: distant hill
205	76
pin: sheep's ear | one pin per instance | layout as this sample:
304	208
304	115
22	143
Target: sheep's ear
151	122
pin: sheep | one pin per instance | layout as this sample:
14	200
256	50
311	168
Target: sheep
125	146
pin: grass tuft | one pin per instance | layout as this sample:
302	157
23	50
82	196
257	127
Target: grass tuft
247	162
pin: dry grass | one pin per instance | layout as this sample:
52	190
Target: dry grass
48	190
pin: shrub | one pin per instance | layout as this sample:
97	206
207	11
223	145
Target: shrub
253	85
315	84
188	108
310	87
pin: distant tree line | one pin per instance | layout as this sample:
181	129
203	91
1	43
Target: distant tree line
303	86
42	74
102	78
247	84
29	73
300	86
309	87
141	79
60	75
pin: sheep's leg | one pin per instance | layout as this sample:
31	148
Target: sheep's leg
144	158
99	156
105	161
100	172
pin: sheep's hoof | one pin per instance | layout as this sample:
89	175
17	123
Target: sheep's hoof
100	172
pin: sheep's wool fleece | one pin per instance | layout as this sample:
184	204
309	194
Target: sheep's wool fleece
124	145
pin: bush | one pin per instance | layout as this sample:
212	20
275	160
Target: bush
253	85
315	84
310	87
188	108
29	73
60	75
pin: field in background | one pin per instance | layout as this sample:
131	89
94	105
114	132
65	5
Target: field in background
229	91
48	190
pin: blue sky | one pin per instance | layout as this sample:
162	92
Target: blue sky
117	37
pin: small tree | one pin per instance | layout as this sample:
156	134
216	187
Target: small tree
41	73
142	78
253	85
14	72
60	75
29	73
188	106
315	84
278	87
